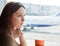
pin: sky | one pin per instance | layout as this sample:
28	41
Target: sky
41	2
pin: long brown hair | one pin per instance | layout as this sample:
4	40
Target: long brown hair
6	15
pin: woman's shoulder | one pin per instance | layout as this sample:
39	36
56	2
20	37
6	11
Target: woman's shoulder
3	35
6	40
3	38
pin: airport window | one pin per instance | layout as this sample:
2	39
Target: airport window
41	22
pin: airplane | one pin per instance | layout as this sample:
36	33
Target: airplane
41	21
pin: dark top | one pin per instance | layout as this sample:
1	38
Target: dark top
6	39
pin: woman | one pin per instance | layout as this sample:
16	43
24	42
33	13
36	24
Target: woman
11	21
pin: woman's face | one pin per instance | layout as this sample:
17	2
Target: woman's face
18	17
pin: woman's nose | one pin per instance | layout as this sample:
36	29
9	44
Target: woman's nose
22	18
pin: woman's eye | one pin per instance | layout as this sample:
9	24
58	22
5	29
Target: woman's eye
19	16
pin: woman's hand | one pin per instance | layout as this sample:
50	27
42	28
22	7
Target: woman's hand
18	32
21	37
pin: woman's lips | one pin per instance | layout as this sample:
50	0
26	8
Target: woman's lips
21	23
